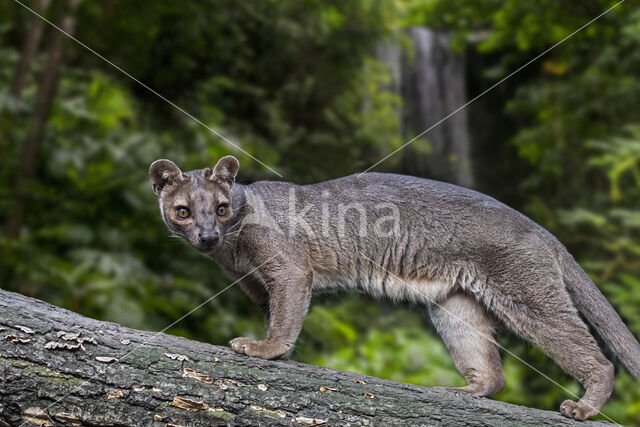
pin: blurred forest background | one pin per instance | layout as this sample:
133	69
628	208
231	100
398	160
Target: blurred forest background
315	89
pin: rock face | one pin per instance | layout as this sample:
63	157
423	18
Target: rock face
60	368
430	80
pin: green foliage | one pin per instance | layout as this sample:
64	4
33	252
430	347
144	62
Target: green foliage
295	84
400	347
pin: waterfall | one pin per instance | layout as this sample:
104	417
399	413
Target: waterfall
430	79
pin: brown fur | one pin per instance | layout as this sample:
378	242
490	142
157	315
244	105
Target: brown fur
476	263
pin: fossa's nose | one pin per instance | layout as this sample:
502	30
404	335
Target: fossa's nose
208	237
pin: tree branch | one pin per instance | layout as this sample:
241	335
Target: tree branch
60	368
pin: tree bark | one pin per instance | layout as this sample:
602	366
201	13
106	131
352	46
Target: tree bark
33	139
60	368
29	49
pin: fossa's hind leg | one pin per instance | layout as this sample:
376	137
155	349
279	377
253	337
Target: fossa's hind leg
544	314
468	332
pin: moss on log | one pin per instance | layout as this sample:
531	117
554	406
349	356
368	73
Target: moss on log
60	368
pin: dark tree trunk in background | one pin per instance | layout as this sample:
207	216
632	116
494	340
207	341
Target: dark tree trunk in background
430	79
28	52
29	49
33	139
60	368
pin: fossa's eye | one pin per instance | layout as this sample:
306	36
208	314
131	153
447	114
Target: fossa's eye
182	212
223	209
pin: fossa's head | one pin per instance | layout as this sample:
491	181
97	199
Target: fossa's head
196	205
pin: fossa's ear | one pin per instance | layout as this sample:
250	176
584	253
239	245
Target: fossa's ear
225	171
164	172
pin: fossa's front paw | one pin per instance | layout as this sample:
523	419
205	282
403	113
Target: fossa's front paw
265	349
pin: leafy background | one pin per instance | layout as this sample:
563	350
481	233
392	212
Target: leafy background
288	80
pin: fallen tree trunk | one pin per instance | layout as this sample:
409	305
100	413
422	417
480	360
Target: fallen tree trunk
60	368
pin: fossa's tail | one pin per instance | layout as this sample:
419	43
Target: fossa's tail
600	314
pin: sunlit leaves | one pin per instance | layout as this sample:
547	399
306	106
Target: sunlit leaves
620	157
